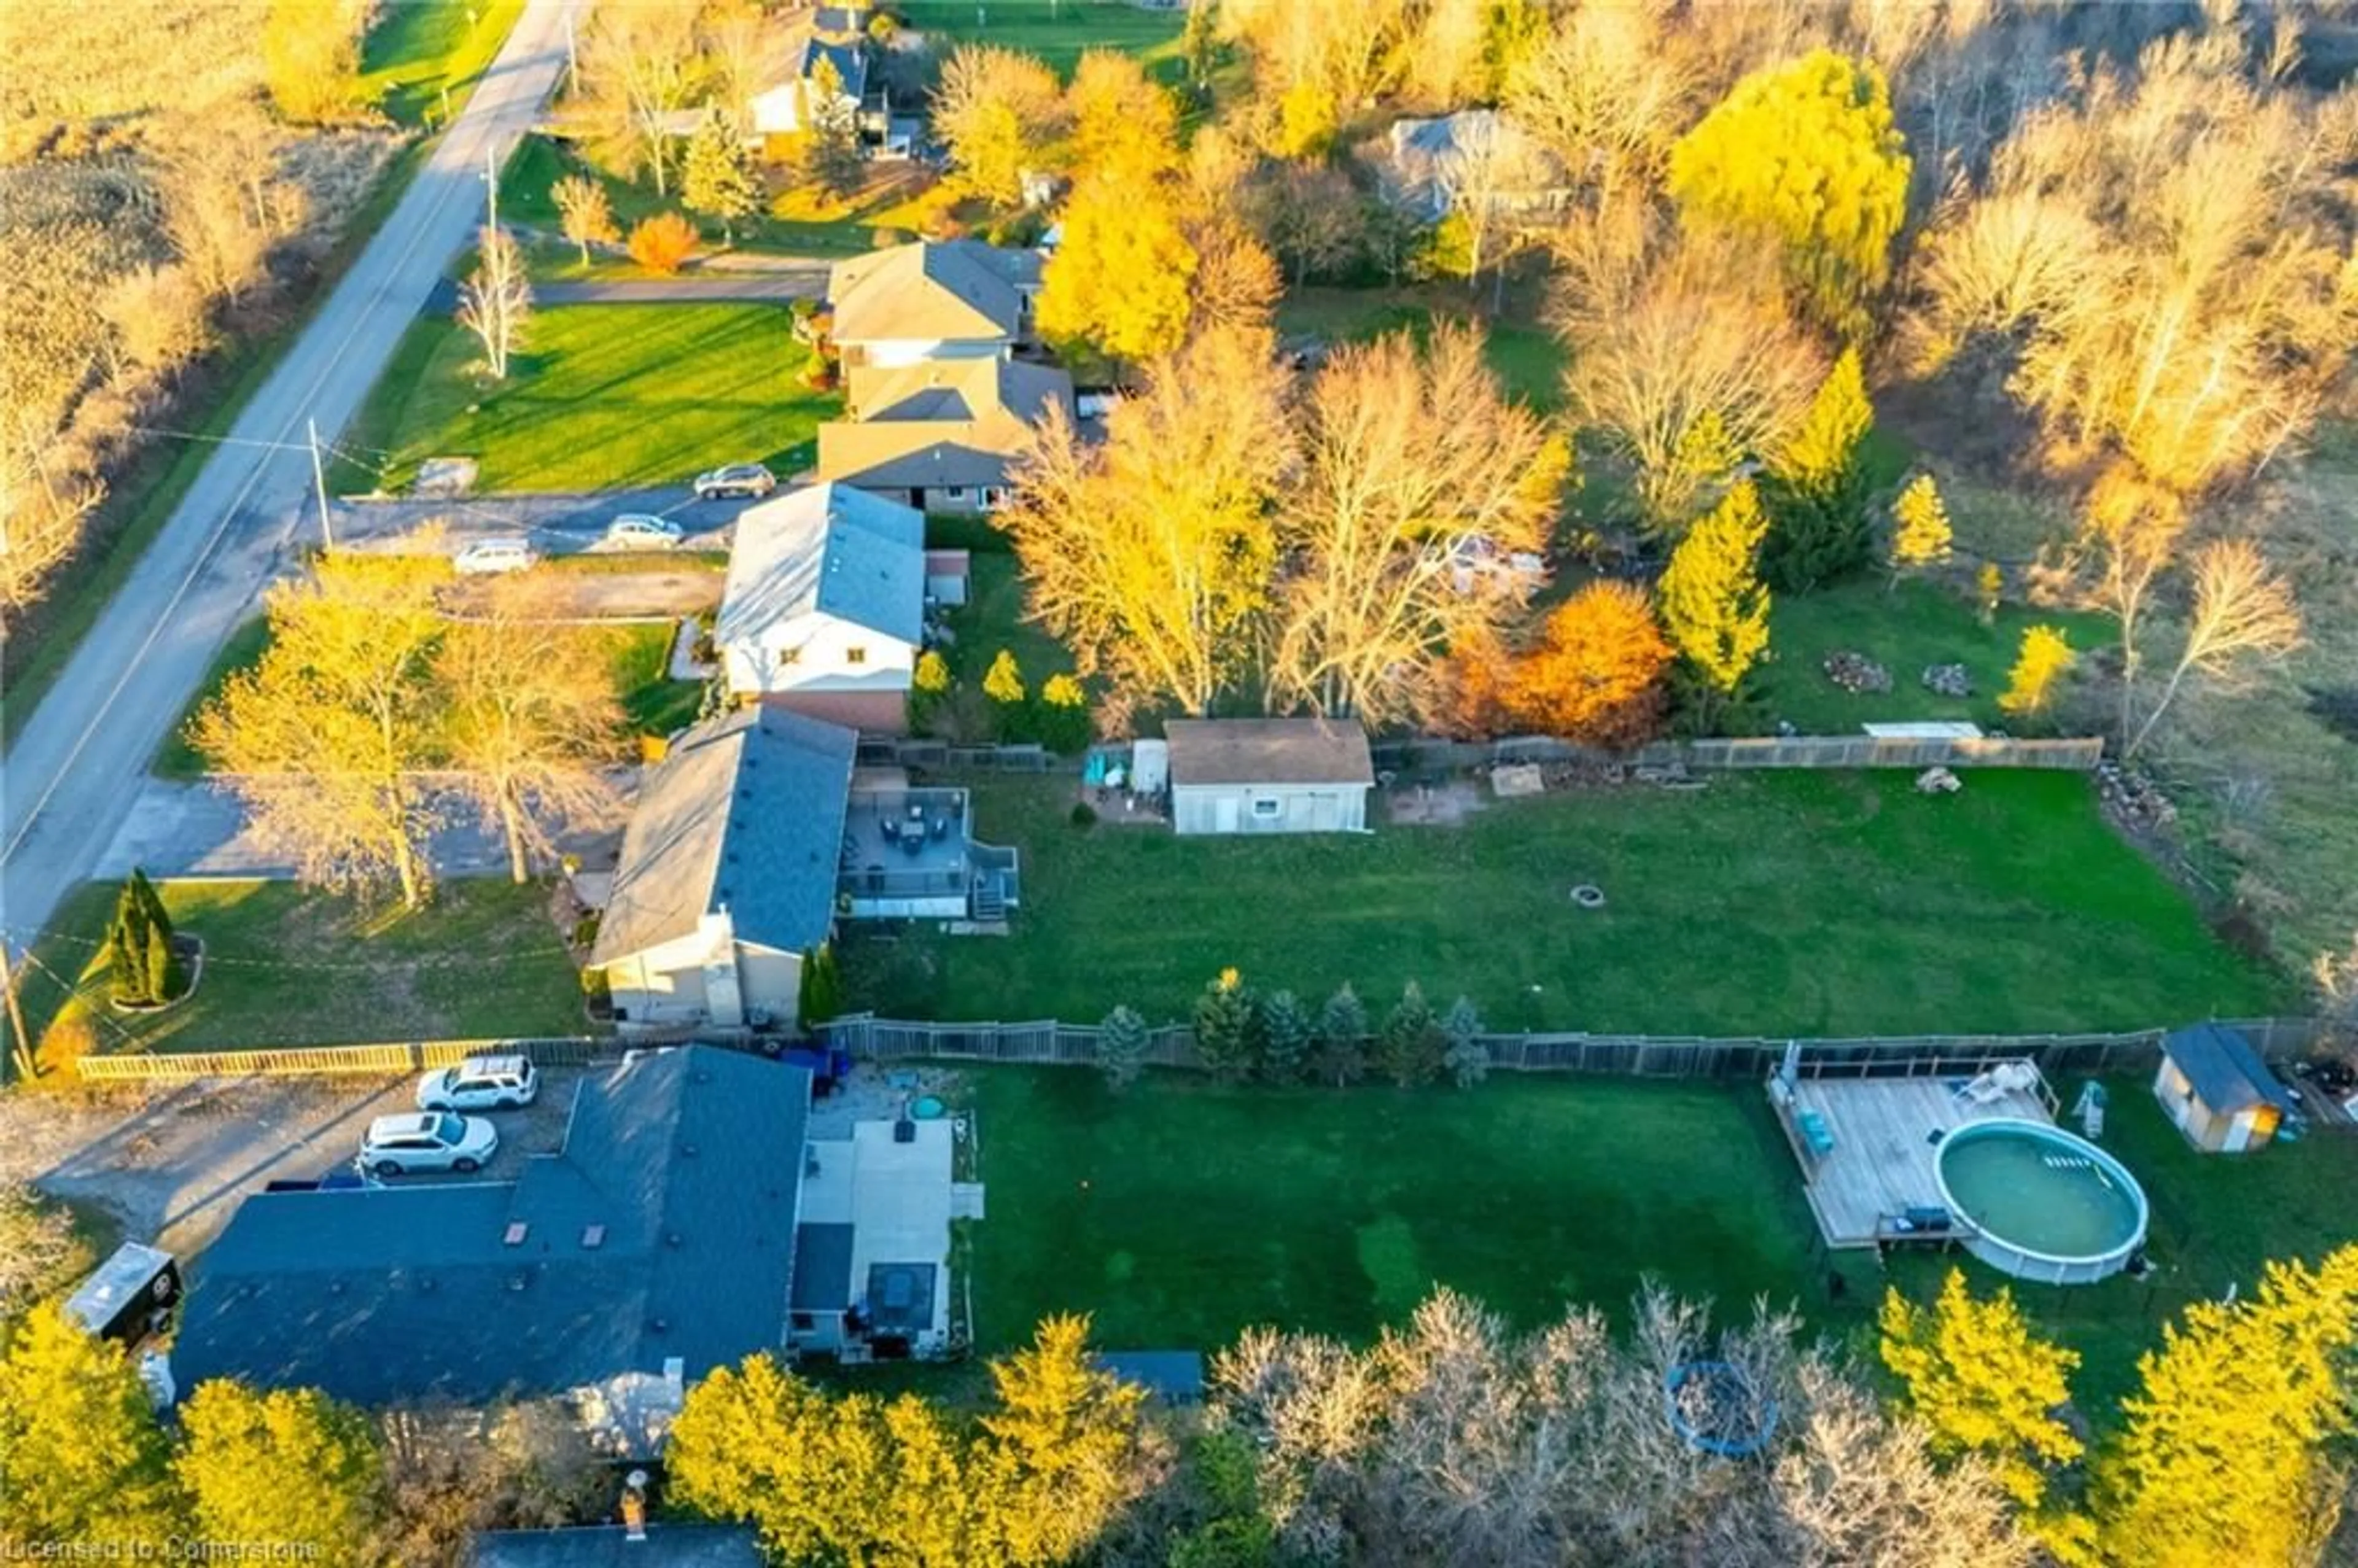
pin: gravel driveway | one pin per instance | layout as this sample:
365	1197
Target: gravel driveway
173	1160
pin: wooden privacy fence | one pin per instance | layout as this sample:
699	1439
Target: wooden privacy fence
320	1060
2076	755
1050	1043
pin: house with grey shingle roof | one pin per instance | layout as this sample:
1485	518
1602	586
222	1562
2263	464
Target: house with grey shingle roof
657	1244
823	611
727	876
933	299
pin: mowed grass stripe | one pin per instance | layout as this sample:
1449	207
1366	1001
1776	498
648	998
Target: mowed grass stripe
1784	903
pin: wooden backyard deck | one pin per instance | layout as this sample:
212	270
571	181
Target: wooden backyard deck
1881	1161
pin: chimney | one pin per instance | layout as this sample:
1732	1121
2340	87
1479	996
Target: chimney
635	1505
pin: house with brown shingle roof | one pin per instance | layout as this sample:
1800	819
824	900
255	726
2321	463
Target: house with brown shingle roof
940	435
933	300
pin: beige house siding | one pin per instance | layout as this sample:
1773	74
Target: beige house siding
1258	809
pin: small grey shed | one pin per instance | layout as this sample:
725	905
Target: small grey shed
1269	775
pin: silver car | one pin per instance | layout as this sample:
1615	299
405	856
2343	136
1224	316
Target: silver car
432	1140
480	1083
643	531
748	479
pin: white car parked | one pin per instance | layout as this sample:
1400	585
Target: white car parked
748	479
488	556
435	1140
480	1083
643	531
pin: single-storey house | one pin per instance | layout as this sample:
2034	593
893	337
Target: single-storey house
727	876
1269	775
932	299
2219	1092
655	1245
824	610
943	435
1421	165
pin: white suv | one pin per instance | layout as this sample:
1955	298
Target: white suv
480	1083
396	1145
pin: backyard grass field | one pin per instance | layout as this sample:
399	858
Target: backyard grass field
603	396
286	967
1055	30
1804	904
420	49
1905	629
1179	1212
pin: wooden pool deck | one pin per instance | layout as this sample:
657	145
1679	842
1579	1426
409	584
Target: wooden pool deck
1881	1161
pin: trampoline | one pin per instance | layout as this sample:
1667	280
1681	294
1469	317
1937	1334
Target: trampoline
1712	1405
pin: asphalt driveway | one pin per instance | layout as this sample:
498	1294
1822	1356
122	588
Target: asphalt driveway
173	1162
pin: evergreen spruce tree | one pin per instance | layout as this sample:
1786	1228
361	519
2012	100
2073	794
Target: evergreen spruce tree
1122	1040
140	969
1223	1022
1465	1057
1287	1036
1343	1038
1817	488
1410	1045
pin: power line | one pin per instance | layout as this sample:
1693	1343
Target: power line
471	959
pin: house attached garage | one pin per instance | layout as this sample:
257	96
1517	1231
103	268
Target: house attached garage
1269	775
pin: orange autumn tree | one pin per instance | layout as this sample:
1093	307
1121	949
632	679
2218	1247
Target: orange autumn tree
1597	673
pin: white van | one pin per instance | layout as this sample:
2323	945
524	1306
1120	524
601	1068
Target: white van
486	556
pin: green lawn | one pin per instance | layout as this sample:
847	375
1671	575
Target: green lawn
1055	30
1810	903
1525	356
421	49
286	967
604	396
651	702
1181	1212
1904	629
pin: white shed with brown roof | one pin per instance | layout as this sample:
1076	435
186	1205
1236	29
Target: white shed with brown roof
1269	775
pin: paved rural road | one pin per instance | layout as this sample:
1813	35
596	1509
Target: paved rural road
557	523
72	777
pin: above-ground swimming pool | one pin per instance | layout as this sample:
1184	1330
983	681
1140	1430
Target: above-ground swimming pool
2044	1204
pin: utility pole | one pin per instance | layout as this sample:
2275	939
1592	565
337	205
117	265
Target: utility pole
491	180
572	55
319	486
26	1068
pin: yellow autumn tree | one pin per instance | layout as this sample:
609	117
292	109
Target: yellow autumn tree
1121	278
2223	1456
1125	125
998	111
325	740
1984	1384
1712	602
1805	156
1921	534
286	1465
2045	657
